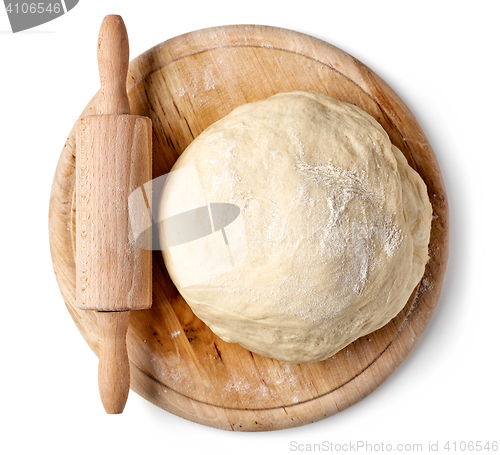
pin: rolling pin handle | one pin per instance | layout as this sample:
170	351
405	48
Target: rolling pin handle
113	57
114	368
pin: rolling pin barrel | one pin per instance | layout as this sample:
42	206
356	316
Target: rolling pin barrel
113	159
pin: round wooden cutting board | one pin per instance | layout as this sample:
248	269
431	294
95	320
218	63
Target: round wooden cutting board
184	85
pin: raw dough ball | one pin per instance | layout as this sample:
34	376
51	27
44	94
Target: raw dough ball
331	239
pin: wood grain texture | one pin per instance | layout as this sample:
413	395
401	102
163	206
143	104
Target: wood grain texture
112	58
113	159
184	85
114	368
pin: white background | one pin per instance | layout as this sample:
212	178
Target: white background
441	57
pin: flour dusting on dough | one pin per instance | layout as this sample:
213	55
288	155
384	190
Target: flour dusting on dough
336	222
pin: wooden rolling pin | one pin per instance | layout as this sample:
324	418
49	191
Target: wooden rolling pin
113	158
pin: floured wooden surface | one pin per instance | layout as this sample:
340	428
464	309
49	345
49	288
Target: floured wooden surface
177	363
